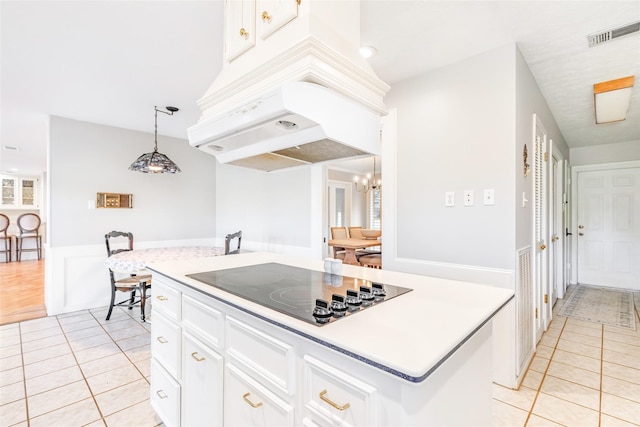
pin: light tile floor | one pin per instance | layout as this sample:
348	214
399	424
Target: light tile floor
77	369
583	374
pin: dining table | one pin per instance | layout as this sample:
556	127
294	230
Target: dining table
351	246
138	259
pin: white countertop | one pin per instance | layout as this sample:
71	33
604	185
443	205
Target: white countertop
411	334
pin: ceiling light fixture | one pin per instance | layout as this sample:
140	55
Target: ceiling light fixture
611	99
368	183
368	51
156	162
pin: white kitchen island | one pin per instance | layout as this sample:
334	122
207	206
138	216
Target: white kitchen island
421	358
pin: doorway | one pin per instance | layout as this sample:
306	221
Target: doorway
607	225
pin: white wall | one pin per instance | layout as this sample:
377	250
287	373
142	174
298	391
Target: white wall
168	210
456	132
274	210
358	198
607	153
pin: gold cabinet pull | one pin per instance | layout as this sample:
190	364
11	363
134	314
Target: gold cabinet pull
246	399
198	359
161	298
162	340
543	247
266	17
244	33
161	394
335	405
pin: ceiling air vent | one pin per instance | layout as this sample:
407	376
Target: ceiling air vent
601	37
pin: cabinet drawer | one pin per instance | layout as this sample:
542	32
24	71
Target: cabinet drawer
164	395
202	376
247	403
165	343
202	320
165	299
264	357
333	397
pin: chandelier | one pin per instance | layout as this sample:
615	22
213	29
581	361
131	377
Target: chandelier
156	162
368	183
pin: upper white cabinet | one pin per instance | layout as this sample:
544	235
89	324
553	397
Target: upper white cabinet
246	19
19	192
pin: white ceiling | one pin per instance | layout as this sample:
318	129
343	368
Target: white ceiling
110	62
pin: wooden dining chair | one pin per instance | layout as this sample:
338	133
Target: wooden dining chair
5	238
229	240
339	233
29	228
131	283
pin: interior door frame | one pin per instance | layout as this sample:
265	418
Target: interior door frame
575	170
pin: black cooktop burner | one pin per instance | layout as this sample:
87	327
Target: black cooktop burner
299	292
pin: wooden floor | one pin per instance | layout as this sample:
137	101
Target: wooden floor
21	291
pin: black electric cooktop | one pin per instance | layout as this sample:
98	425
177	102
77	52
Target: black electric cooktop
313	296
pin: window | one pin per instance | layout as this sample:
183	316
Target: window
374	208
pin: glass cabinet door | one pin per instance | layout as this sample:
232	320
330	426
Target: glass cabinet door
28	192
9	191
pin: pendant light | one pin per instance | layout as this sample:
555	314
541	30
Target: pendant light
156	162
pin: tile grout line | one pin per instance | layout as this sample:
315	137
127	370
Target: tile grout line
544	375
24	377
81	372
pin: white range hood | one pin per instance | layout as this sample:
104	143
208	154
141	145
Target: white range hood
298	94
298	123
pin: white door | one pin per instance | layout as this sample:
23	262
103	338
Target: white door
339	205
608	227
540	278
556	231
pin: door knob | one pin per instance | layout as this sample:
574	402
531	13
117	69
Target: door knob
581	226
543	247
581	234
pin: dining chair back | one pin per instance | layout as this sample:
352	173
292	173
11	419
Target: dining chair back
29	228
5	238
339	233
131	283
356	233
232	240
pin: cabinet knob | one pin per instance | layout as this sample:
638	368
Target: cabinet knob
581	234
266	17
543	247
246	399
244	33
332	403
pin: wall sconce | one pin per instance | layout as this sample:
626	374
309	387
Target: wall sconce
611	99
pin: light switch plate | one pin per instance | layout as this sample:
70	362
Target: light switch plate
468	197
449	198
489	197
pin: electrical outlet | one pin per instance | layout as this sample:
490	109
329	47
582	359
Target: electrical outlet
468	197
489	197
449	198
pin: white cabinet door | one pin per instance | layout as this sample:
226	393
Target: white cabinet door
274	14
240	27
202	378
19	192
247	403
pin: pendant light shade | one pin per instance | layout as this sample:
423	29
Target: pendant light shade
156	162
